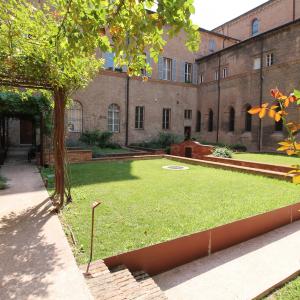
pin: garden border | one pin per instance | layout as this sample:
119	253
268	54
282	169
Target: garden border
165	256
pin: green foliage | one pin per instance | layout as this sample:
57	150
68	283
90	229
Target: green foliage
290	291
56	42
222	152
233	147
163	141
97	138
143	204
2	183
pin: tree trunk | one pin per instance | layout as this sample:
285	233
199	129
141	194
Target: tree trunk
59	145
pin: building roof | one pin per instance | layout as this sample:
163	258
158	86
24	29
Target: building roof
218	34
244	14
256	37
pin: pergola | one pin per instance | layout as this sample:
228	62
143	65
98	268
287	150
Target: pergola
59	96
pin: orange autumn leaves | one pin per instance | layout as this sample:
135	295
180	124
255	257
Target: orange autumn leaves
277	111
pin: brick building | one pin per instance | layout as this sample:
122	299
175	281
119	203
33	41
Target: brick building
205	94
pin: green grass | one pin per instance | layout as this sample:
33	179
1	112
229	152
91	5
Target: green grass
290	291
144	204
268	158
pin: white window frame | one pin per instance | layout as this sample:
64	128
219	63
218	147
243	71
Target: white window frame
188	71
201	78
167	68
257	63
188	114
217	75
270	59
74	117
113	120
139	117
166	124
225	72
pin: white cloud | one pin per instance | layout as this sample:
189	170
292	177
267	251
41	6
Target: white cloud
212	13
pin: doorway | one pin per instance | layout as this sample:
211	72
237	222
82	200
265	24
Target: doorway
26	132
187	132
188	152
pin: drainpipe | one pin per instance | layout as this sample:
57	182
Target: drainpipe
294	10
127	110
219	97
260	130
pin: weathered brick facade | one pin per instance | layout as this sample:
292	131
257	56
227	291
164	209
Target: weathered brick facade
245	84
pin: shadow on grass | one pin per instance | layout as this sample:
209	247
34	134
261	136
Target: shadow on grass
26	258
101	172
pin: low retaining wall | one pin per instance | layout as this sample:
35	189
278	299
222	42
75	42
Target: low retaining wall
191	149
72	156
249	164
149	150
168	255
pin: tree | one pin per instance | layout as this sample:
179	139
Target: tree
56	45
279	112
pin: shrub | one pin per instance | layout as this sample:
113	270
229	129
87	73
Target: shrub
104	138
167	139
90	137
2	183
238	147
96	138
222	152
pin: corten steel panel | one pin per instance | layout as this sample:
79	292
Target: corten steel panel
231	234
164	256
249	164
296	212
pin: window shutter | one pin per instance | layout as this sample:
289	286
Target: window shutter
148	60
160	67
174	69
182	72
109	60
195	74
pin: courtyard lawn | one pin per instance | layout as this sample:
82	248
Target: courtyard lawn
2	183
144	204
268	158
290	291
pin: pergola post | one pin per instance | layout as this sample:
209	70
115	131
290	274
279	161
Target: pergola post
59	143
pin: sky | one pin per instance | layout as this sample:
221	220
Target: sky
212	13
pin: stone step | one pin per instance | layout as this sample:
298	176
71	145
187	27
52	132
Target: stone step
120	284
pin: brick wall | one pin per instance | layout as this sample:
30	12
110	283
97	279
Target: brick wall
197	150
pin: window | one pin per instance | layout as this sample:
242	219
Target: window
166	118
231	119
256	63
188	72
74	117
212	45
278	125
225	72
269	59
139	117
201	77
217	75
210	121
167	68
188	114
113	118
255	27
198	122
248	119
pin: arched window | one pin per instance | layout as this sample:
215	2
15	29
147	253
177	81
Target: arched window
210	120
278	125
198	122
248	118
255	27
114	118
231	120
74	117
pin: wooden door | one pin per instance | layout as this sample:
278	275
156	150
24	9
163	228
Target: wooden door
26	132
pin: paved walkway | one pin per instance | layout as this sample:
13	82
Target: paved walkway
36	261
241	272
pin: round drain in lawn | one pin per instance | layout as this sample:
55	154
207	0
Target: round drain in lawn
175	168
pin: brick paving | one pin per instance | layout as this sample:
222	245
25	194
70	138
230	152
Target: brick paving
121	284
